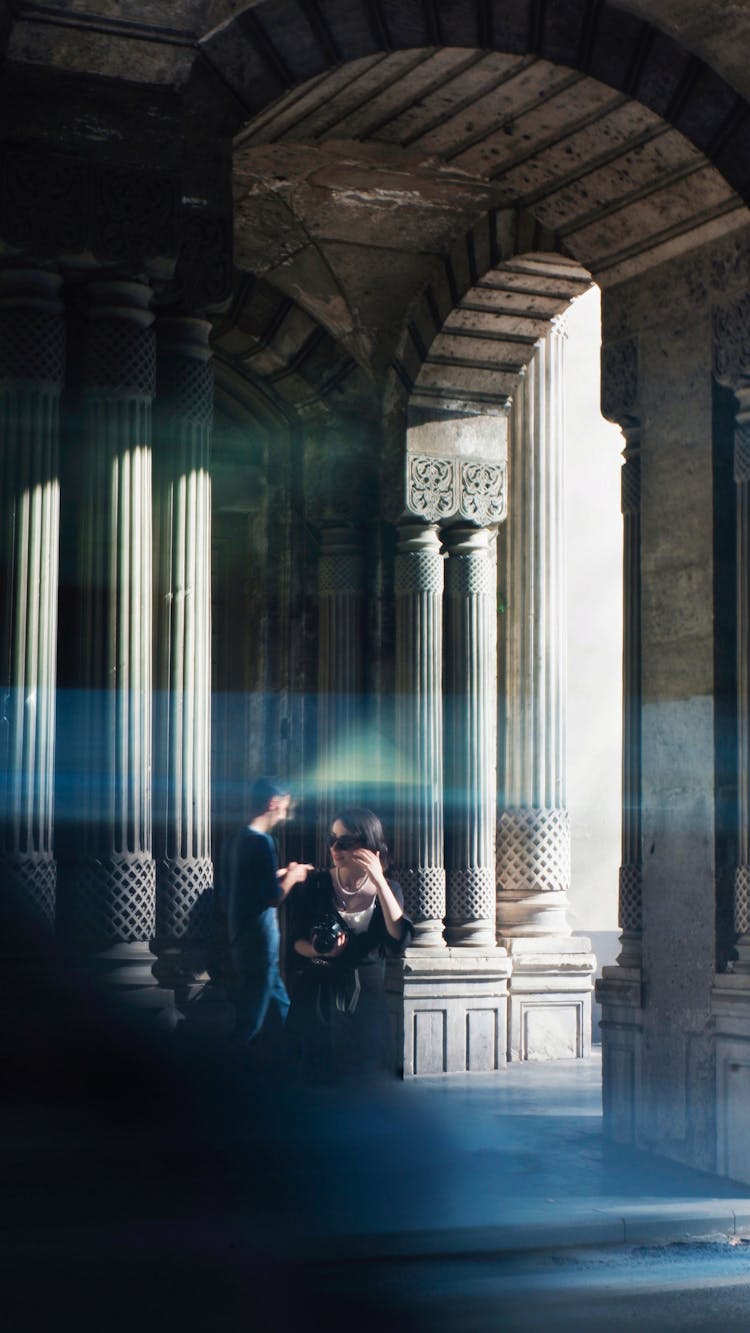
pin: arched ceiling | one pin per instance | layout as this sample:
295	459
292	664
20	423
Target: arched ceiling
375	136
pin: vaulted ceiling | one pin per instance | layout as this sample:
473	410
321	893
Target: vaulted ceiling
418	184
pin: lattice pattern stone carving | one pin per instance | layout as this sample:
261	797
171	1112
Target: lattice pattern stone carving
469	574
742	900
28	885
742	451
432	489
418	571
185	388
630	915
483	492
340	573
32	346
184	899
470	894
534	850
121	358
630	486
424	892
115	901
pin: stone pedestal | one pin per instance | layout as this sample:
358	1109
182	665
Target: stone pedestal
730	1010
449	1009
550	988
550	998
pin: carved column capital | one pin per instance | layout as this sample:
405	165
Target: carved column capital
619	382
439	489
731	346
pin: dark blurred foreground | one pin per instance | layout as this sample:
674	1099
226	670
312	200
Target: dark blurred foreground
152	1184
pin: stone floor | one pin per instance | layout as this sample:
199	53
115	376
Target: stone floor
149	1185
512	1162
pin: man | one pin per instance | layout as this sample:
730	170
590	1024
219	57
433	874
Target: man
254	887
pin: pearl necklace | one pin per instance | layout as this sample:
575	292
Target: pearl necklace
358	887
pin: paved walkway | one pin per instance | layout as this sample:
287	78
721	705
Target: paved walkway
484	1165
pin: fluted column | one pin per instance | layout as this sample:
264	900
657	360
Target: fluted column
471	758
32	369
114	883
742	871
630	880
340	669
182	657
533	862
419	851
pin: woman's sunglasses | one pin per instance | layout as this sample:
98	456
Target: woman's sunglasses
345	843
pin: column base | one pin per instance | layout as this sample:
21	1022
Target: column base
125	972
549	998
449	1009
730	1008
619	993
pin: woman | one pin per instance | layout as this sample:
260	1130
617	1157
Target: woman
343	923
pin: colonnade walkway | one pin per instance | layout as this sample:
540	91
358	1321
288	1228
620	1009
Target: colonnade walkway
151	1184
487	1164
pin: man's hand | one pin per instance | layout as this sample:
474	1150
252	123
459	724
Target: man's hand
294	873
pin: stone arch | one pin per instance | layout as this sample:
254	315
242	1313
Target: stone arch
276	45
277	363
471	330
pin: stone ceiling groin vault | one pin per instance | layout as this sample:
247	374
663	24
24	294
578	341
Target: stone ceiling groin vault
374	140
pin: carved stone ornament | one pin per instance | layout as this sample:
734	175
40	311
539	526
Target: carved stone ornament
52	205
732	342
204	272
483	492
619	392
432	487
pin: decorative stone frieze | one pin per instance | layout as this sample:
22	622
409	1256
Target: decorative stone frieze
32	371
471	775
183	415
419	578
56	205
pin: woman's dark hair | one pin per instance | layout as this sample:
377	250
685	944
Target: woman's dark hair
364	825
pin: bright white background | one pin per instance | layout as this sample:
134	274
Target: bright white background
593	462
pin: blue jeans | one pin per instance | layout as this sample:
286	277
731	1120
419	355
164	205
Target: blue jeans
261	999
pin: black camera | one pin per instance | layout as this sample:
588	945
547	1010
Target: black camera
325	934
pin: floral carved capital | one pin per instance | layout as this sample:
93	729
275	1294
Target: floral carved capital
431	487
483	492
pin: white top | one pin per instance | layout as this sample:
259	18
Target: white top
357	922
